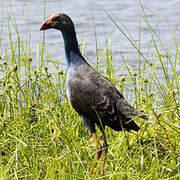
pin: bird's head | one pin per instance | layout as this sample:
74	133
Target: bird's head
58	21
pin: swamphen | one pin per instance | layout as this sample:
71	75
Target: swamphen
93	97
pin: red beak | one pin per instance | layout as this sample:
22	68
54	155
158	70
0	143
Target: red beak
46	25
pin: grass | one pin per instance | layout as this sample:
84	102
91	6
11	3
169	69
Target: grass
42	137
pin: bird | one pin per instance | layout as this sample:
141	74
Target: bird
94	98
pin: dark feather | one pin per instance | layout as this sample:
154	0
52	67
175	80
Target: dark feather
95	99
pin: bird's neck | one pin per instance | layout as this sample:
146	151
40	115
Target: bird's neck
71	45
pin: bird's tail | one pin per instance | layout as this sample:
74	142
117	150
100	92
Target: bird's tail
143	116
131	125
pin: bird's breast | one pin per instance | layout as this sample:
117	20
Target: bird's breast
78	90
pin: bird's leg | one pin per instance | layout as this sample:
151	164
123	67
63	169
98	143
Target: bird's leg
105	150
98	151
98	146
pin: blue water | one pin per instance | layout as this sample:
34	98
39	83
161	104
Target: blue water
164	17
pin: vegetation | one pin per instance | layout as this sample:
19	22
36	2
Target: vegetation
42	137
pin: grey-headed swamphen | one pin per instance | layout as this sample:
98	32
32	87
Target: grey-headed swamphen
93	97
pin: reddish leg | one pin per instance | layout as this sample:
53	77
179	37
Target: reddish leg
98	146
105	150
98	149
101	151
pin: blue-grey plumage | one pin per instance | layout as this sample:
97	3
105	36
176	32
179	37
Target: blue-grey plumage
93	97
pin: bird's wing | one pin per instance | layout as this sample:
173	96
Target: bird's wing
90	89
109	99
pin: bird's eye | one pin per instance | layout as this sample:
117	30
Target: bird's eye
55	18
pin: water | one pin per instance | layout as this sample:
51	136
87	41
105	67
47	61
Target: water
29	15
